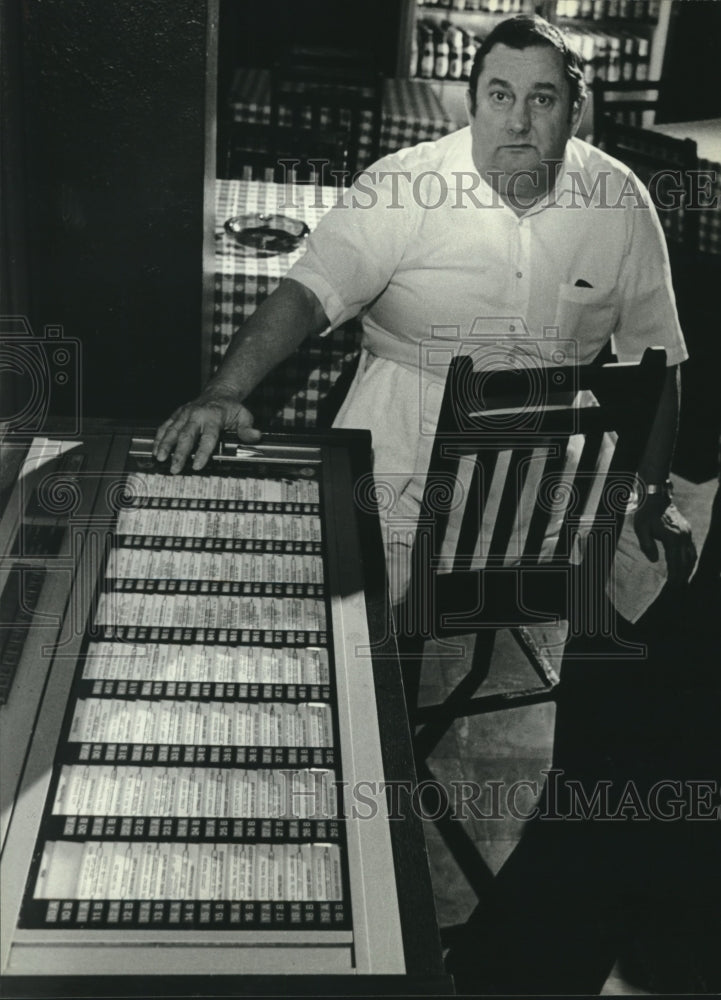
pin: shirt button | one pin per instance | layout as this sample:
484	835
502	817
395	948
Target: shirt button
519	274
512	328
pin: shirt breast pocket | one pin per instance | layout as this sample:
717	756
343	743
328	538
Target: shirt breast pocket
587	316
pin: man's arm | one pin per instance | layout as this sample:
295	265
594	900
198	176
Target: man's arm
657	519
277	327
648	318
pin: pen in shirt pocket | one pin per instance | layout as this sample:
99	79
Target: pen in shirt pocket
582	283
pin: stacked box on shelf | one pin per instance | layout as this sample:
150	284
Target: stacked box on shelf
609	10
613	36
488	6
612	54
443	52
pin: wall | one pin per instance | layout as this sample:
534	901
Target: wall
691	62
115	142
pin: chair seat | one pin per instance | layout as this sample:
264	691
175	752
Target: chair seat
499	597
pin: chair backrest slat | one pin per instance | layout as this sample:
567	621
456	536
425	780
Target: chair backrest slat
516	474
550	487
476	499
579	489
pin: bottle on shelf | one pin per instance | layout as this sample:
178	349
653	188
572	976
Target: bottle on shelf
455	53
602	50
568	8
613	74
611	35
642	58
442	55
629	49
470	46
584	41
427	50
413	69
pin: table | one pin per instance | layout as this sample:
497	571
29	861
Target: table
290	396
707	136
411	111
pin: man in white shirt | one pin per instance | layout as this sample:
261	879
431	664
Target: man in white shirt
506	238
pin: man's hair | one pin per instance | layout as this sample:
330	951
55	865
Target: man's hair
521	32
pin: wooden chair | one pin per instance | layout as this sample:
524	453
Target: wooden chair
346	100
666	166
334	398
328	59
465	582
281	154
623	101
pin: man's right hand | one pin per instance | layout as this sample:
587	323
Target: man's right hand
202	421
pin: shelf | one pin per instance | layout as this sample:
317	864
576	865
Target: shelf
614	24
457	16
453	12
445	82
635	44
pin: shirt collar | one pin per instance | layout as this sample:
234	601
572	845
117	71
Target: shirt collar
489	198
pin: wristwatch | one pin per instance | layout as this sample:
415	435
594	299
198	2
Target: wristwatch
666	488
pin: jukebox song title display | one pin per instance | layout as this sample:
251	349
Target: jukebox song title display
190	669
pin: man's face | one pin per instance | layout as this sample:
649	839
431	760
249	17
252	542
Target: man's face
523	118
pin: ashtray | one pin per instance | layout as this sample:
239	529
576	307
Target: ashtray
265	235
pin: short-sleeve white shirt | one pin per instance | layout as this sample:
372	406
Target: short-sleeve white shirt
429	250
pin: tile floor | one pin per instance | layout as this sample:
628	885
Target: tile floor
512	745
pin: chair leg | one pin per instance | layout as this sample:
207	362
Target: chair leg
436	720
482	653
480	668
411	656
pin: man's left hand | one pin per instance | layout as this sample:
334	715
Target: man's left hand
662	522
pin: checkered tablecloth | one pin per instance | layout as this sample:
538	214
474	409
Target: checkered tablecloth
290	395
411	112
